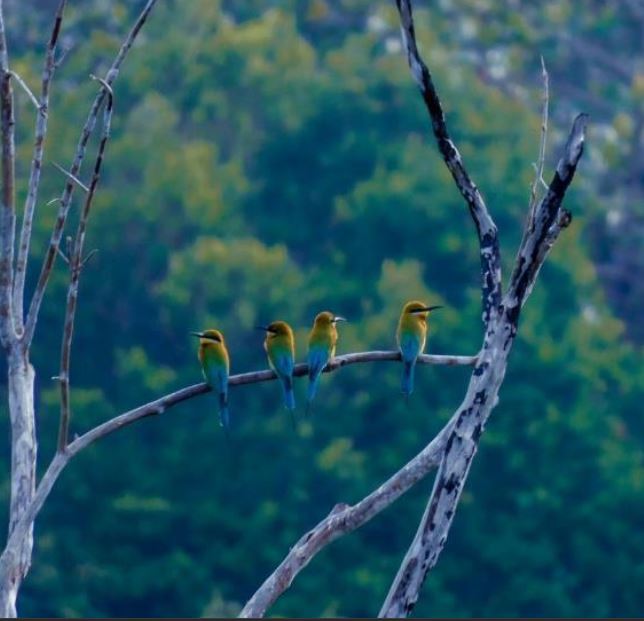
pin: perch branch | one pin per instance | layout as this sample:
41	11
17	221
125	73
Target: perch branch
62	458
40	133
65	201
76	263
485	227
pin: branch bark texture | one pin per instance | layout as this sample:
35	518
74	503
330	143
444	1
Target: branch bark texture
544	223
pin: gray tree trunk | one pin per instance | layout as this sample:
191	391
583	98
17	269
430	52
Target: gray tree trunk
20	383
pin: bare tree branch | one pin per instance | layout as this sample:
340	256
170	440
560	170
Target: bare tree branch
8	215
485	227
65	202
25	88
538	176
342	520
482	394
547	221
71	177
373	504
40	132
76	263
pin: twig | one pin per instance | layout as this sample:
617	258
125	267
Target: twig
76	264
70	176
40	133
62	255
25	88
535	246
8	207
90	255
538	177
50	257
485	227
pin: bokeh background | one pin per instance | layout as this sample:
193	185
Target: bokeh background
271	159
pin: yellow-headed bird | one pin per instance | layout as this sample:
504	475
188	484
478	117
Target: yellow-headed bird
280	350
322	342
215	365
411	336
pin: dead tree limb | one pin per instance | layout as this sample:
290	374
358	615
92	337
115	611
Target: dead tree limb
487	377
40	133
66	198
76	263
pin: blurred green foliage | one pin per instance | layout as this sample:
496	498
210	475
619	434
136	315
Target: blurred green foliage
270	160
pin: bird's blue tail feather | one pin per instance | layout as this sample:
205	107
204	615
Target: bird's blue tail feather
289	395
224	413
314	382
407	384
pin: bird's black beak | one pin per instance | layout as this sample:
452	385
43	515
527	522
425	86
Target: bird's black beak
199	334
426	309
336	319
265	329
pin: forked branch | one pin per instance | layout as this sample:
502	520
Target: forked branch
40	133
76	263
65	200
545	221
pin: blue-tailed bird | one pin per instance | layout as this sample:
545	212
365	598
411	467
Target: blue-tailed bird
322	342
411	337
279	345
215	365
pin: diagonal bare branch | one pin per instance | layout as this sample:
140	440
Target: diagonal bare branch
76	263
342	520
40	134
547	220
485	227
65	201
71	177
23	85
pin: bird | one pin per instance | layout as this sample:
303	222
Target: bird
411	337
279	345
215	365
322	341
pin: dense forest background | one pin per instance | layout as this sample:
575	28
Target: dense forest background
272	159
